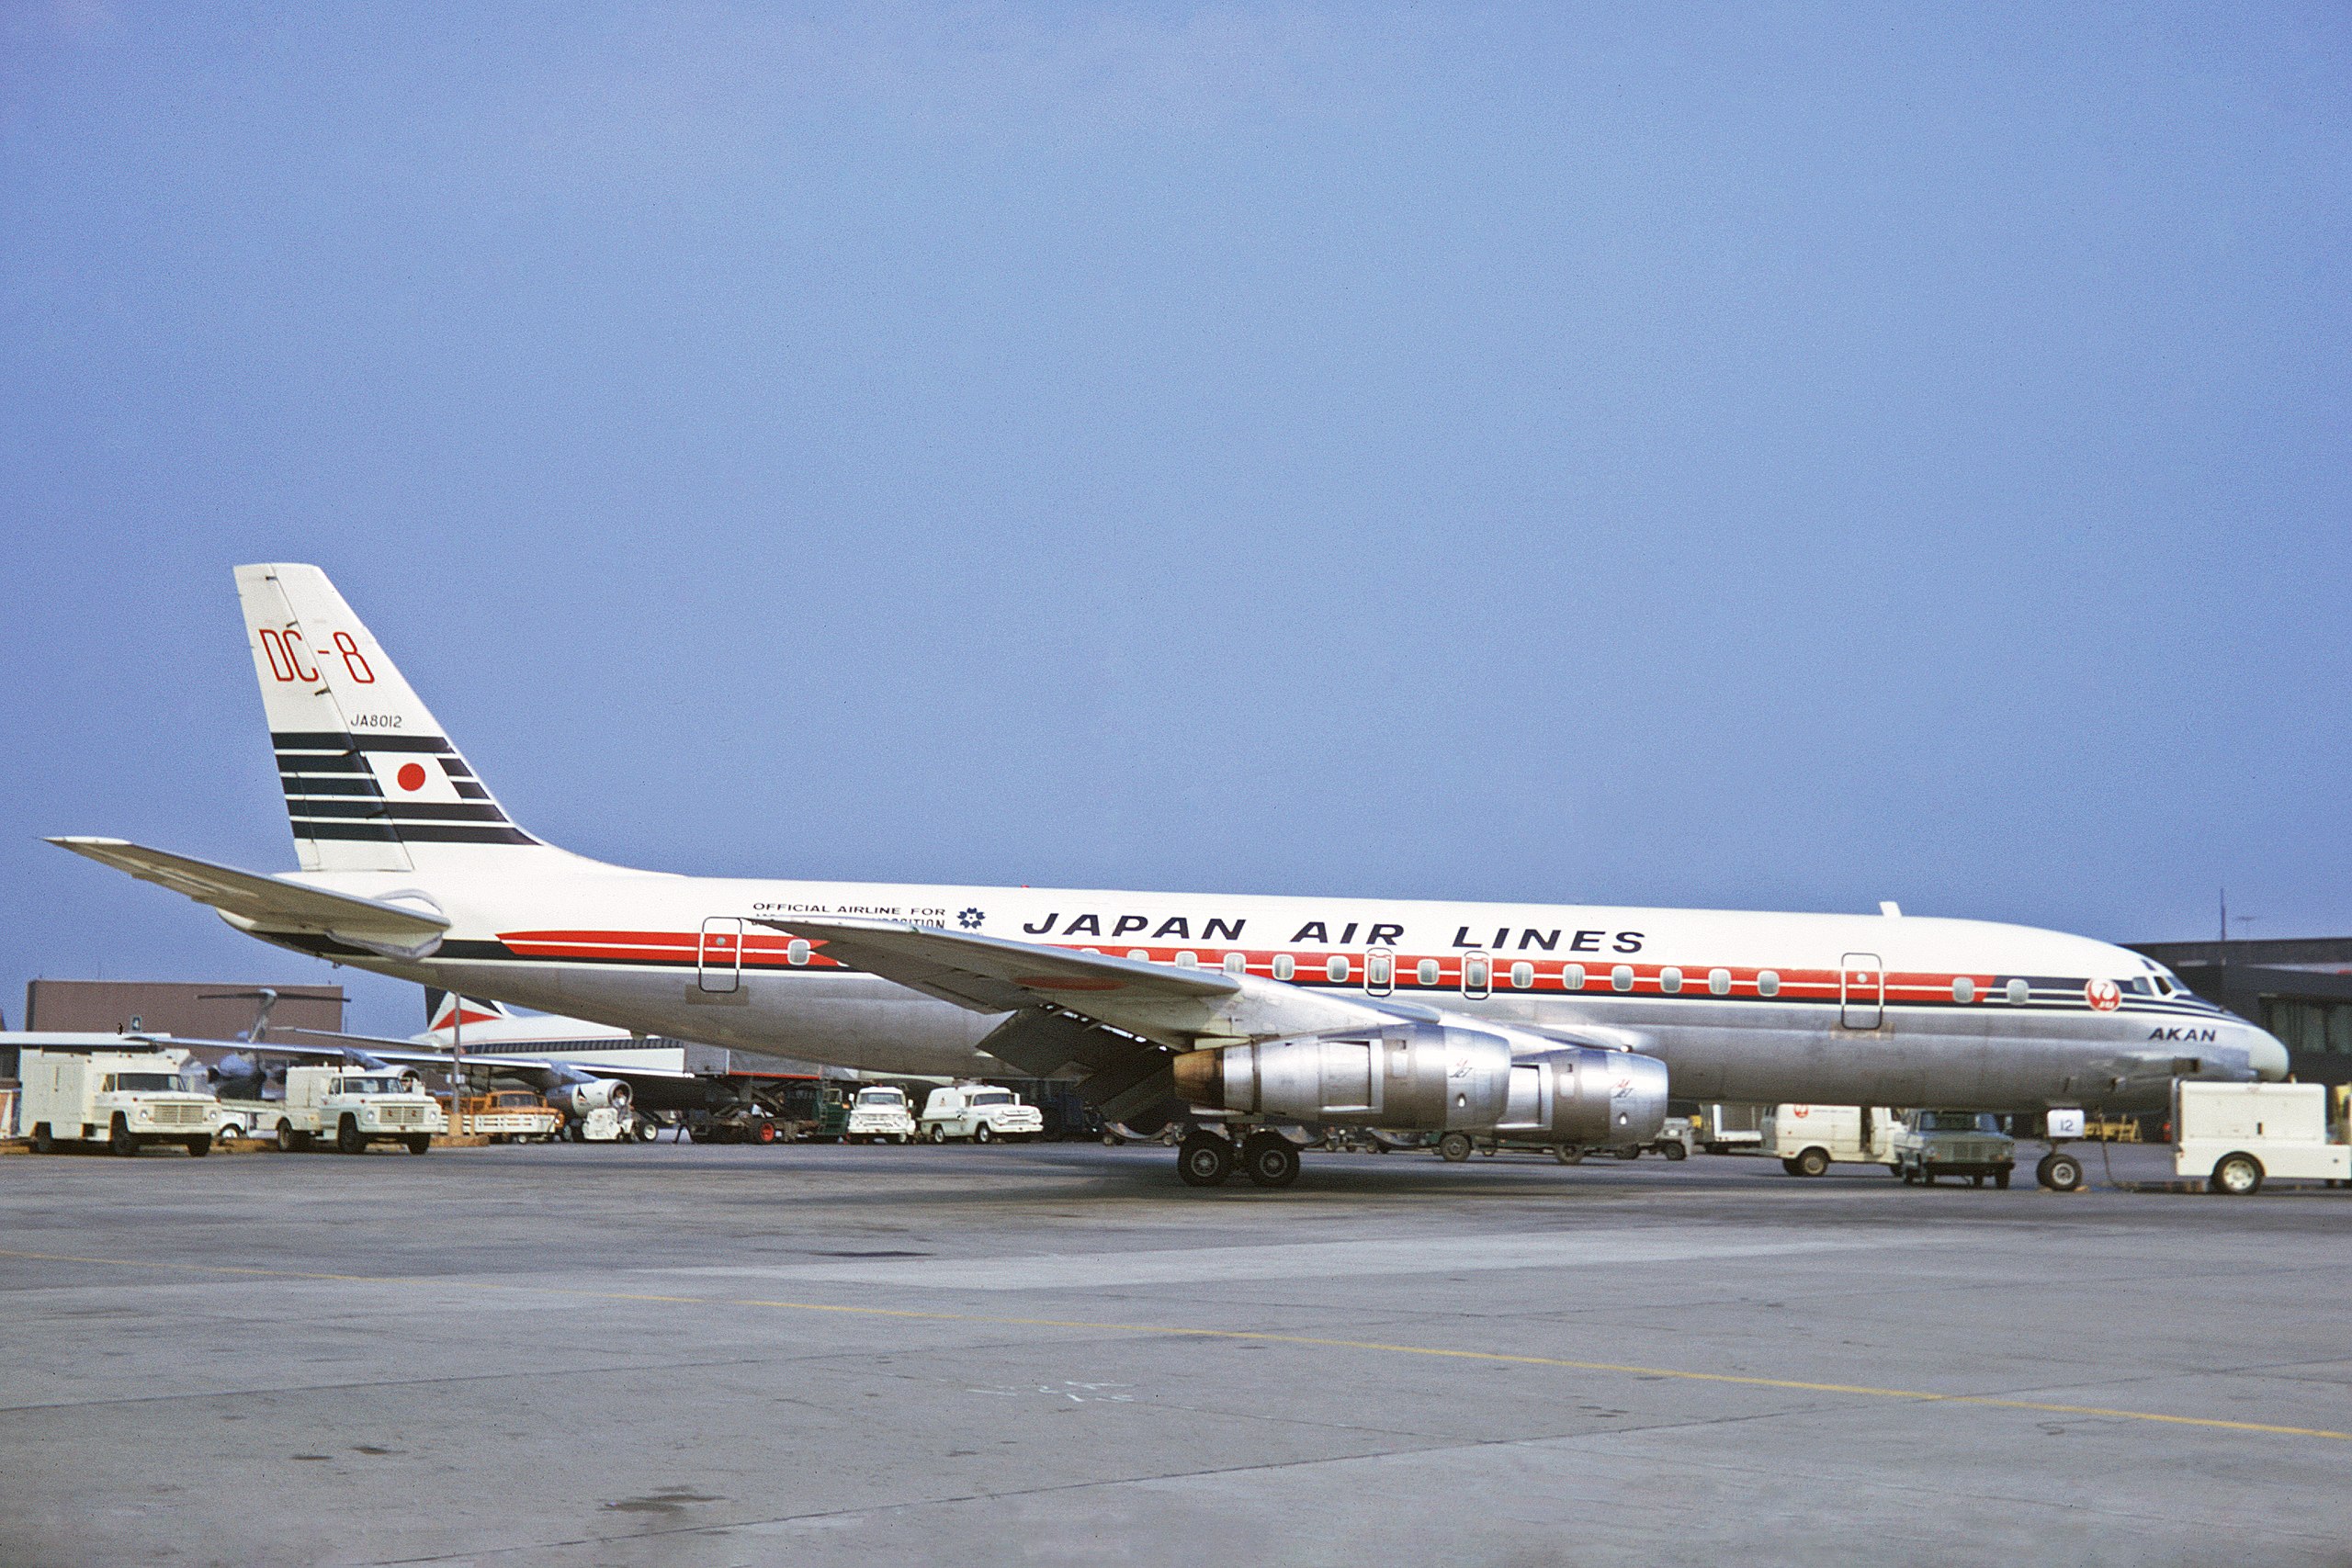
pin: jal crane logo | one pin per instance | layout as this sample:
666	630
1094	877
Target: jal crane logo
2105	995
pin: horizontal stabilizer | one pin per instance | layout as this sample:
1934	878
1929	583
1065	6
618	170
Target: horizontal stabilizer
266	903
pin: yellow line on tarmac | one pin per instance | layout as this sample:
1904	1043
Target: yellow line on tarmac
1263	1336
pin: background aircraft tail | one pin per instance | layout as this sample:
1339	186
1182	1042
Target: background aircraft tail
441	1011
372	782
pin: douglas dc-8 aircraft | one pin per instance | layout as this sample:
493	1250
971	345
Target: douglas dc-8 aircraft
1564	1024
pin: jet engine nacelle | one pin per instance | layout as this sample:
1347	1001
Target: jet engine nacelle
1436	1077
589	1094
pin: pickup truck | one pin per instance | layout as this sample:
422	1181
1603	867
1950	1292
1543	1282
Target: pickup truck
879	1116
1930	1143
979	1113
512	1116
352	1107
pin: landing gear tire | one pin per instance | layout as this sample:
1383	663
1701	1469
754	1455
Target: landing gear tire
2060	1173
1269	1160
1453	1148
2237	1175
1204	1160
1810	1162
419	1143
347	1140
120	1141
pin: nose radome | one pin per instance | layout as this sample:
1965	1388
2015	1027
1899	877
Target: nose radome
2265	1054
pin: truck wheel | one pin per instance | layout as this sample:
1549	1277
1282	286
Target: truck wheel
1629	1151
1811	1162
2001	1178
347	1140
1204	1160
1675	1151
44	1141
198	1148
228	1134
1567	1154
118	1139
980	1134
419	1143
1453	1148
938	1134
2239	1175
288	1140
766	1134
1269	1160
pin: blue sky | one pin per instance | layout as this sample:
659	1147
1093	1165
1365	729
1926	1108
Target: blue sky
1786	456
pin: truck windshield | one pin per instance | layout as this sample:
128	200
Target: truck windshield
1956	1122
991	1099
153	1081
367	1085
880	1097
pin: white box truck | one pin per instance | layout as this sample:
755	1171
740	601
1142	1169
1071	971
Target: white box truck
2236	1136
126	1099
1808	1139
351	1107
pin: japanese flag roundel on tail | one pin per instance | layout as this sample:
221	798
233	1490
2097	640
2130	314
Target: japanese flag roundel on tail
371	781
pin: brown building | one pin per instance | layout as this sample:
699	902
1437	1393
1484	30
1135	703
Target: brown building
220	1011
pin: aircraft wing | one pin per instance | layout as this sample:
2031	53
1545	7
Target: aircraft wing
265	903
409	1054
1113	1023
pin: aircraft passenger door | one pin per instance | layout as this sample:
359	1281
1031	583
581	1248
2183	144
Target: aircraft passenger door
1862	990
718	960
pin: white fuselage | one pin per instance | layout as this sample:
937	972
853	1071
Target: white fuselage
1851	1009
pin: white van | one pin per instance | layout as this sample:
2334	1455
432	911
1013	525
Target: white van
2235	1134
981	1112
1809	1139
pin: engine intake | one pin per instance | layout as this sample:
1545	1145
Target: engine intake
1436	1077
589	1095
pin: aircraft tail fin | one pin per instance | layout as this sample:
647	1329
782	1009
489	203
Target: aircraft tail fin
372	782
441	1011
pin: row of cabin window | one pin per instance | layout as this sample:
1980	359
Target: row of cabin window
1476	974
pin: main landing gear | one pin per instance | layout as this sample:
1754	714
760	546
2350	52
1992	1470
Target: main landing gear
1266	1157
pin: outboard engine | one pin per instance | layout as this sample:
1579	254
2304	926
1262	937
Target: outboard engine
1436	1077
584	1094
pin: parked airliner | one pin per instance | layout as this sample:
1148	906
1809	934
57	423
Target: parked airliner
1240	1015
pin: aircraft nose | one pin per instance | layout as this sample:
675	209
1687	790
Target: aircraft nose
2265	1054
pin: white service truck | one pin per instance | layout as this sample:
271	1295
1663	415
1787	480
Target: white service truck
981	1112
350	1106
126	1099
1808	1139
2236	1136
880	1115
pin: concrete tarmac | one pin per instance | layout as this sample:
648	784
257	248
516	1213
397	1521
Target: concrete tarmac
687	1355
